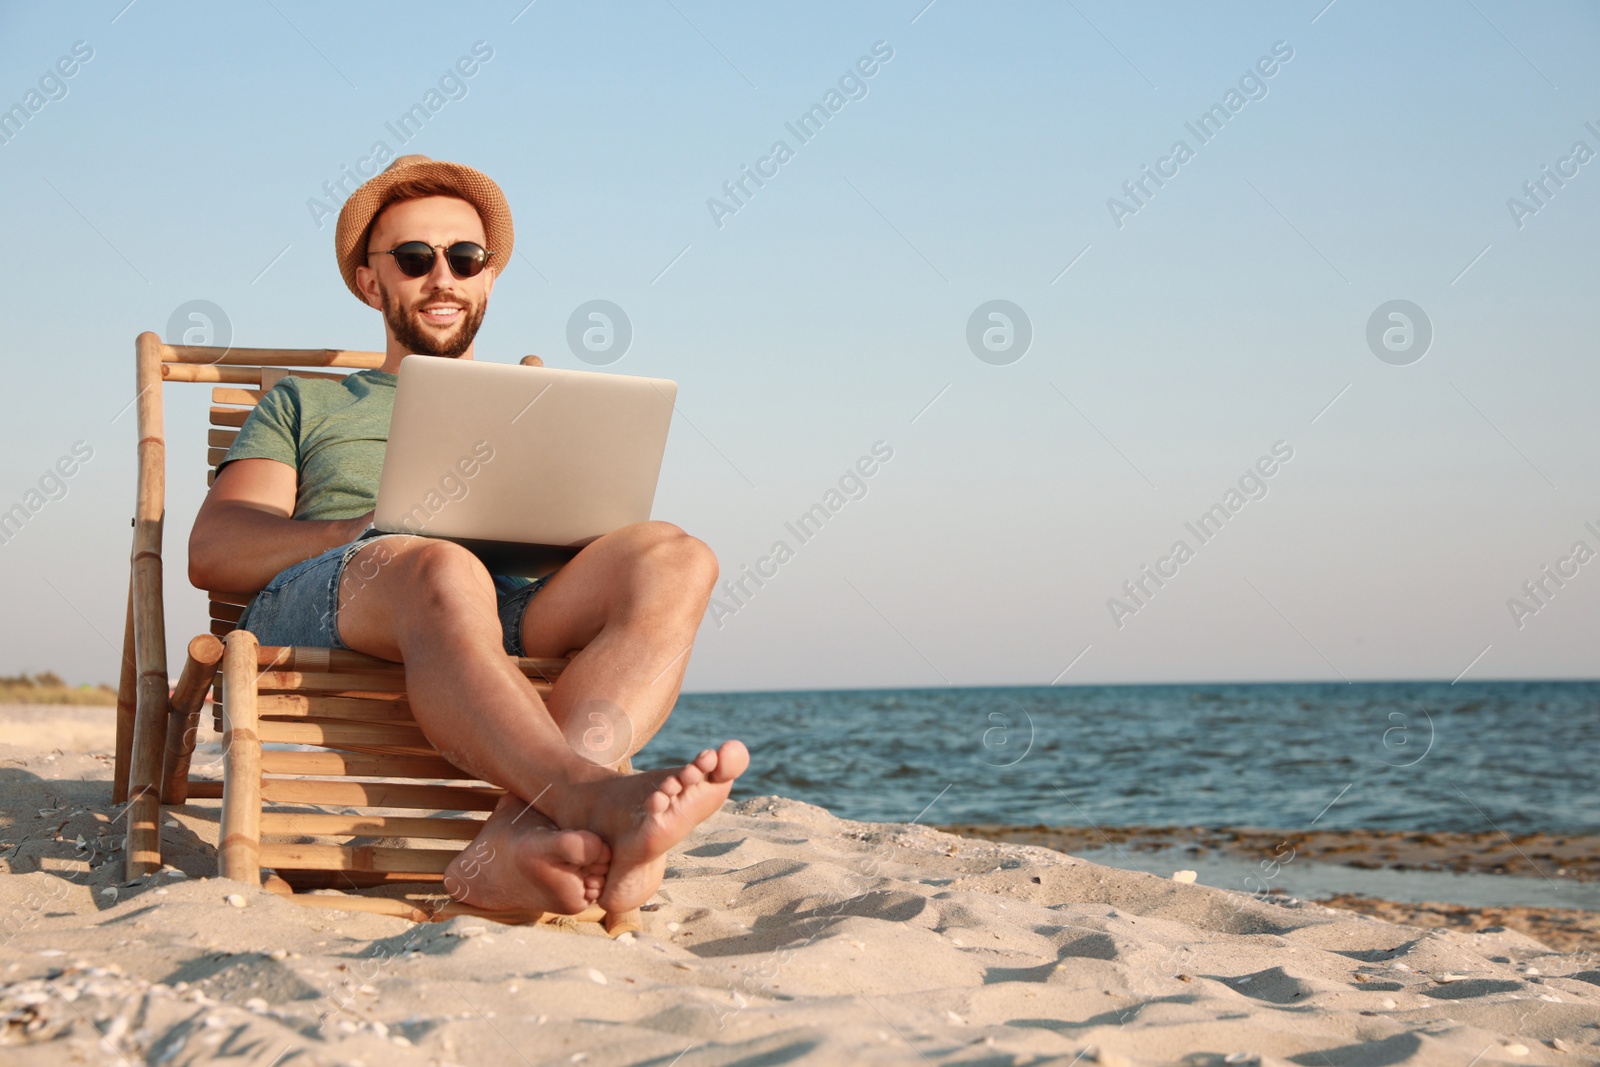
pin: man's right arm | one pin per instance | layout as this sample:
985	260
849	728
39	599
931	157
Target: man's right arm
245	533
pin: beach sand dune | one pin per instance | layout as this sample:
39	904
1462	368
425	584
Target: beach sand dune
781	935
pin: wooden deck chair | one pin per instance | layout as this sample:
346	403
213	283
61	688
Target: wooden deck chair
371	759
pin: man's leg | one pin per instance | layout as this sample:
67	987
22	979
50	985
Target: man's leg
626	609
431	605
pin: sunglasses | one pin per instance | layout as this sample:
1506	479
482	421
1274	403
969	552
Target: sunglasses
415	258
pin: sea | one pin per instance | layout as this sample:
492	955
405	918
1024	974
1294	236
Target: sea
1516	757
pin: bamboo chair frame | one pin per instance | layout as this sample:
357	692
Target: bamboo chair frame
352	706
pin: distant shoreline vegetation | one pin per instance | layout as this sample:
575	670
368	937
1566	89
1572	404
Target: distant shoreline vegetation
49	688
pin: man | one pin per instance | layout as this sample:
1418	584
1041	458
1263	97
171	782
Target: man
289	514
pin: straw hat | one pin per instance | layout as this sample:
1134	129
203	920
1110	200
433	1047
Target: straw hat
473	186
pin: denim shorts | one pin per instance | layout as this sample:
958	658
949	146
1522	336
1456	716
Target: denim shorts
300	606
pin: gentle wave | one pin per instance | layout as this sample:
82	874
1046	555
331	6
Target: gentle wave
1518	756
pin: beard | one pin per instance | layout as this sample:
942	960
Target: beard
417	336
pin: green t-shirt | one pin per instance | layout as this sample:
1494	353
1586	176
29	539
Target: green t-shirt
333	433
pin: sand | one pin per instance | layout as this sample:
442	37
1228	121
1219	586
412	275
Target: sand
781	935
1568	857
1563	929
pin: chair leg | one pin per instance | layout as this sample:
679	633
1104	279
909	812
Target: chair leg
142	845
240	833
199	671
127	702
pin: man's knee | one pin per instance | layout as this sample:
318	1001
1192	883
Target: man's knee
647	534
665	548
442	571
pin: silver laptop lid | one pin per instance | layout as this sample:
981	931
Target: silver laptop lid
512	455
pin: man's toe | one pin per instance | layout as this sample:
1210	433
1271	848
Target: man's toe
733	759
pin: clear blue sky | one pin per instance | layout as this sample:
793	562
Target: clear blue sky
831	310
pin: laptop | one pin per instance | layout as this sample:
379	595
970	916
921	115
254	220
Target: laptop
521	465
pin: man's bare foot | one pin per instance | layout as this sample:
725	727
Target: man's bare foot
522	860
645	815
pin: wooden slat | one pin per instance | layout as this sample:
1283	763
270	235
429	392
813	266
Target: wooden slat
221	438
342	734
211	477
403	795
385	751
301	706
316	825
388	684
205	789
226	612
400	909
207	355
592	914
349	764
220	597
304	658
344	881
173	372
215	456
357	858
223	416
222	628
540	668
261	377
246	397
